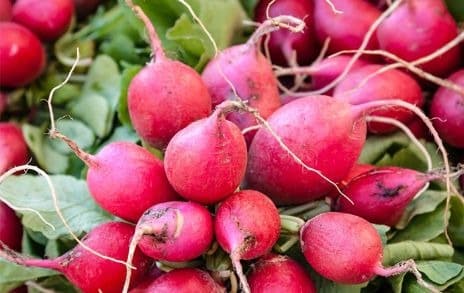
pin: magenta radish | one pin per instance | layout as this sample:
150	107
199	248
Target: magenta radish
279	273
21	54
11	230
418	28
361	86
347	29
247	225
5	10
13	147
447	111
320	130
283	43
205	162
91	273
166	95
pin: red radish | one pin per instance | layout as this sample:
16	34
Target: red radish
283	43
205	162
85	7
5	10
13	147
186	280
347	29
147	280
419	129
11	230
357	170
22	56
323	132
247	225
447	111
166	95
360	86
91	273
48	19
418	28
279	273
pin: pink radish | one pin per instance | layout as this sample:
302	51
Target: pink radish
247	225
13	148
11	230
279	273
5	10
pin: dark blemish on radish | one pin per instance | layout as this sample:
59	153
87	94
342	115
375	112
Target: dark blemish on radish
386	191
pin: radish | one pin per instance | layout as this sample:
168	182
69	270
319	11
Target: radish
447	111
205	162
360	87
5	10
166	95
21	54
144	284
357	170
347	249
13	147
48	19
279	273
416	29
91	273
247	225
283	43
11	230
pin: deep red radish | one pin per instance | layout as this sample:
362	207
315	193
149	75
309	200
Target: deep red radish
188	280
48	19
283	43
325	133
447	111
11	230
346	30
89	272
3	103
85	7
389	85
418	28
153	273
5	10
21	289
247	225
166	95
22	56
357	170
13	147
205	162
382	194
279	273
419	129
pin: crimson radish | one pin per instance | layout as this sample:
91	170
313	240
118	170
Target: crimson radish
11	230
13	147
5	10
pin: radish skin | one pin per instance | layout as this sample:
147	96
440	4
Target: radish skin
13	147
11	230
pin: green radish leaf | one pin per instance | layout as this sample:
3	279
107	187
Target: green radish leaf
396	252
456	223
376	146
13	275
456	8
94	110
382	229
55	284
249	6
123	111
440	272
76	131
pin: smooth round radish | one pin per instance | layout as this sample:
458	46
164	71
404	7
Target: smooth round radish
247	225
382	194
284	43
89	272
13	147
359	87
186	280
22	56
418	28
5	10
346	30
323	132
447	111
357	170
48	19
11	230
205	162
279	273
85	7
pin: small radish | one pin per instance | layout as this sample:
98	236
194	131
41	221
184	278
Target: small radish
13	147
5	10
206	161
447	111
22	56
48	19
247	225
11	230
279	273
357	170
166	95
91	273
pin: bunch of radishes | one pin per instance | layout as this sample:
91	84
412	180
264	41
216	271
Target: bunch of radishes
233	153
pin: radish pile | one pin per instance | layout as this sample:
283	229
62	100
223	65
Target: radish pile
273	165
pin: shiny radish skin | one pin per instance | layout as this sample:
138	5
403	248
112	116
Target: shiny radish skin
22	55
381	195
320	130
5	10
48	19
282	43
206	161
418	28
126	179
13	147
11	229
279	273
447	109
